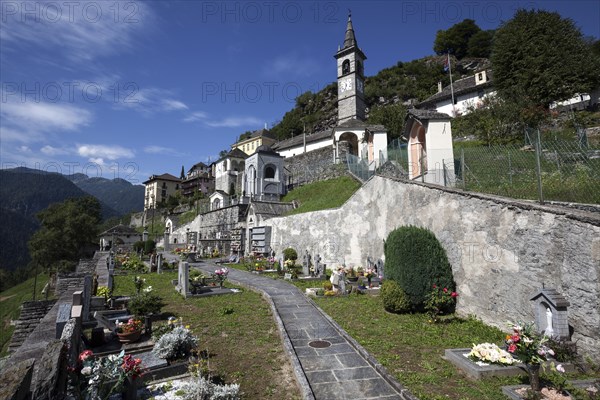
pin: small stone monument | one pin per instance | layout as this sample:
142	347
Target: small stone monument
379	265
183	283
318	266
159	263
87	297
551	317
306	264
342	283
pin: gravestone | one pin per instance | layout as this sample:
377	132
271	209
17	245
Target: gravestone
342	283
63	315
370	263
77	298
287	277
306	264
104	322
159	263
183	282
551	317
87	297
380	266
319	270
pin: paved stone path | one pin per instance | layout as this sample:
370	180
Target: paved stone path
344	370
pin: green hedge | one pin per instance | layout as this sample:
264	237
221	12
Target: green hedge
416	260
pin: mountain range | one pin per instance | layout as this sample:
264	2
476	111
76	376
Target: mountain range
24	192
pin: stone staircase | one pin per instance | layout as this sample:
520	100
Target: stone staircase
31	314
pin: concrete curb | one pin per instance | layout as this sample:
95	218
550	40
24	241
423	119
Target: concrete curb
301	379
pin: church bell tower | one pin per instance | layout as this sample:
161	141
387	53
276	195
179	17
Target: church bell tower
350	77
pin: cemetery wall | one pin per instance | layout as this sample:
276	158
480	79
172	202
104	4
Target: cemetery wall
315	165
502	251
213	227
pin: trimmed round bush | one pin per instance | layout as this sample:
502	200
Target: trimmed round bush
290	254
416	260
394	299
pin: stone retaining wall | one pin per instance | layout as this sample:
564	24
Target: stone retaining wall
502	251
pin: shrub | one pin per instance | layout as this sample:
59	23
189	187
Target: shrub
416	260
394	298
175	344
137	246
327	285
200	388
145	303
290	254
149	246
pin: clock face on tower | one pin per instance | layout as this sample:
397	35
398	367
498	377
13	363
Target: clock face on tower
346	84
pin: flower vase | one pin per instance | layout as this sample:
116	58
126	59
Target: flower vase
369	281
533	370
130	388
220	284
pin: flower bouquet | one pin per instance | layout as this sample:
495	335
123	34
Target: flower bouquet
221	275
530	348
490	353
369	274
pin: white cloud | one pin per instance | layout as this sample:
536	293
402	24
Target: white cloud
170	104
196	116
17	135
79	31
234	122
96	152
24	149
54	151
168	151
291	65
151	100
34	118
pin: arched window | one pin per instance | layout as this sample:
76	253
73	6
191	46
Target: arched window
269	172
346	67
216	204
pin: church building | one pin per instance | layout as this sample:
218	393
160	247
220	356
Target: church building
365	141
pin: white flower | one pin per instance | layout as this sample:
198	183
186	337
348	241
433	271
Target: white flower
88	370
560	368
148	289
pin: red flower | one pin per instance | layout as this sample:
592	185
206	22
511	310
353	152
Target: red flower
84	355
445	290
454	294
434	286
515	338
512	348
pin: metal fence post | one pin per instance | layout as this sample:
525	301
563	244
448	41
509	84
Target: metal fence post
538	166
463	169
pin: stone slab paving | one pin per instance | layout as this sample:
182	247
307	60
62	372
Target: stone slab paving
343	370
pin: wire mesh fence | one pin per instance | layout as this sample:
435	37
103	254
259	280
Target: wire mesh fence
567	171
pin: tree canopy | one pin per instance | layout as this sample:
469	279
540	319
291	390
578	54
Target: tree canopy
457	40
68	230
391	116
540	57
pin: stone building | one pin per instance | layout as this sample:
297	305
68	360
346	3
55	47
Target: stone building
264	176
228	172
199	178
159	188
254	141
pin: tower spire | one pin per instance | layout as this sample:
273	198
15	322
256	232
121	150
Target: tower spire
349	38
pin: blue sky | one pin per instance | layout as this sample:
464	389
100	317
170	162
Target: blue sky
128	89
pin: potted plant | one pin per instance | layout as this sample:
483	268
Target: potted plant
178	343
351	274
129	331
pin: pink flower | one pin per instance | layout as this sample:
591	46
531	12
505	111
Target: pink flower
85	355
445	290
454	294
560	368
512	348
434	286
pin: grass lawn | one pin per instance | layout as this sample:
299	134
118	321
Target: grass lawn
10	307
322	195
237	330
410	347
